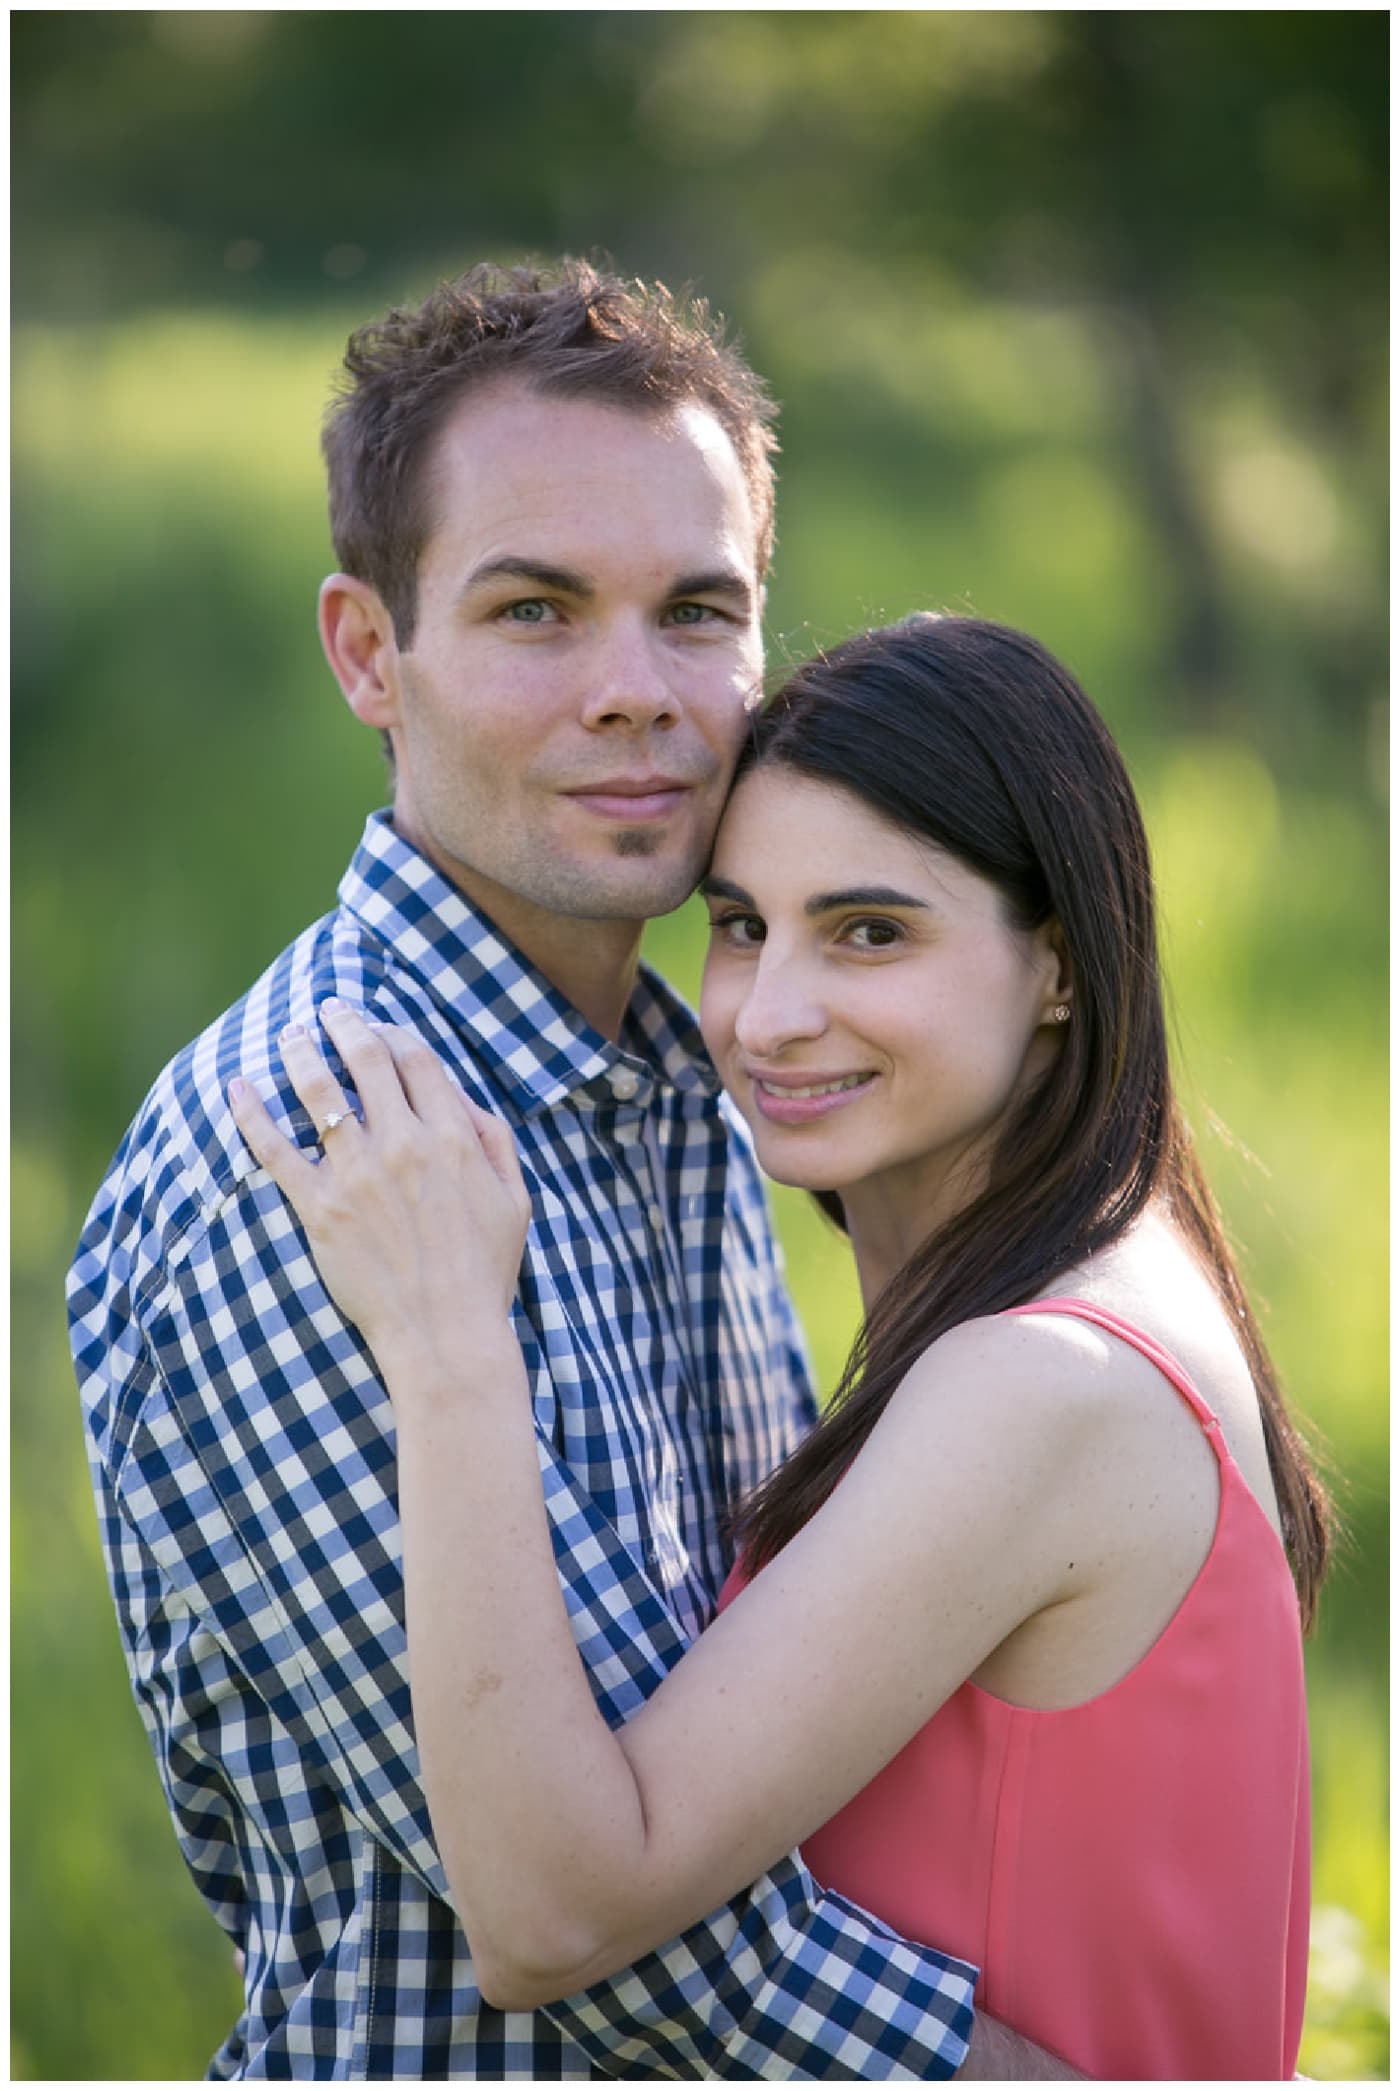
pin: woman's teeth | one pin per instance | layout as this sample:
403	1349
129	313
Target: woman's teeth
817	1088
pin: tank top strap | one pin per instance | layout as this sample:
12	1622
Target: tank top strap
1171	1368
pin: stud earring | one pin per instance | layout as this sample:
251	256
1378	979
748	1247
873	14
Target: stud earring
1061	1012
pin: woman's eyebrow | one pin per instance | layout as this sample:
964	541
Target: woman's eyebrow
862	897
821	903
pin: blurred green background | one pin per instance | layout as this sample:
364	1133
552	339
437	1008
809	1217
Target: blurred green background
1078	321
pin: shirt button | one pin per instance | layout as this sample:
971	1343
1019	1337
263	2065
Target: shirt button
624	1083
658	1223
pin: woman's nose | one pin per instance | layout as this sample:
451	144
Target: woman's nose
780	1009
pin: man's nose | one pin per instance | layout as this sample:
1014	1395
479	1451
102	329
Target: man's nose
782	1007
628	684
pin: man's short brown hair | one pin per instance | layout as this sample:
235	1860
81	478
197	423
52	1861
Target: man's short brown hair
568	330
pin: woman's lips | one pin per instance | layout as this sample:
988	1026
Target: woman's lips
797	1103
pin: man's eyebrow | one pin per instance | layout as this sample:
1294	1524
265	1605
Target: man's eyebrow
714	580
538	573
565	580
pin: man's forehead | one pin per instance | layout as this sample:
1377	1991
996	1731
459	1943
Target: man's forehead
509	413
527	473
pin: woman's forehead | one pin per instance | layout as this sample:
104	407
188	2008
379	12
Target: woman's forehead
781	825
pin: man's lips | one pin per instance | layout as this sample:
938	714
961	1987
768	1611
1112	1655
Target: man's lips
632	799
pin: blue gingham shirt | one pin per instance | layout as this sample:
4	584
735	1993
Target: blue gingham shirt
242	1451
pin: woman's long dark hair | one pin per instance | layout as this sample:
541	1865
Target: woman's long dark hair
970	736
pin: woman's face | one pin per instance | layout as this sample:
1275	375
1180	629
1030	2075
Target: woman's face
869	1007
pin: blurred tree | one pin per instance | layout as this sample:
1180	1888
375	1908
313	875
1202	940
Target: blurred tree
1207	190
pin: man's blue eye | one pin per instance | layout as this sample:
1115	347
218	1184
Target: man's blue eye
531	612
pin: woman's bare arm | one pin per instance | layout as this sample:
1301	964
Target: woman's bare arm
571	1850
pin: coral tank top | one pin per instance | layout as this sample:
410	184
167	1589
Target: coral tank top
1131	1875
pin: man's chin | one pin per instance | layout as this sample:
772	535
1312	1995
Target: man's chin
646	878
650	890
638	842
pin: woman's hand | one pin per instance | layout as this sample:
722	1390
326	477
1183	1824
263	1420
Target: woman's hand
417	1210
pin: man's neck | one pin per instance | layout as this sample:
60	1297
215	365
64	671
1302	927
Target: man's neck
592	964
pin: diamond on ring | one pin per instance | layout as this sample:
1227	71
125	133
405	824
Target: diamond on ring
336	1118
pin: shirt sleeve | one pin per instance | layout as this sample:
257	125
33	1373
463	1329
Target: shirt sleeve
786	1981
245	1449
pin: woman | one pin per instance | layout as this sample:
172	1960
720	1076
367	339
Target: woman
1014	1653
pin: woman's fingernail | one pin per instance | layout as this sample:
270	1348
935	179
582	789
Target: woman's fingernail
293	1031
333	1006
237	1090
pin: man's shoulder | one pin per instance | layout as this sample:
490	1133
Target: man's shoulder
182	1150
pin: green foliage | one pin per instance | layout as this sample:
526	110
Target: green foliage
1077	321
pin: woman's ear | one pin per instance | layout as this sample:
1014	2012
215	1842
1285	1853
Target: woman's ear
357	634
1059	974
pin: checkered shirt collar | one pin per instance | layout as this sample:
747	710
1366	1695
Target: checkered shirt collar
539	1047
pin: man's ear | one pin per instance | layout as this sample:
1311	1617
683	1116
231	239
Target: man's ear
357	634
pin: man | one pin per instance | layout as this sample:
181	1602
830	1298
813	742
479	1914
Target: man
551	498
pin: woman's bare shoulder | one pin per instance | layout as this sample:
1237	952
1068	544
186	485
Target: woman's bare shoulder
1012	1413
1039	1385
1047	1366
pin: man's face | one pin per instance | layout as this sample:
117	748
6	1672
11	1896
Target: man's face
567	716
